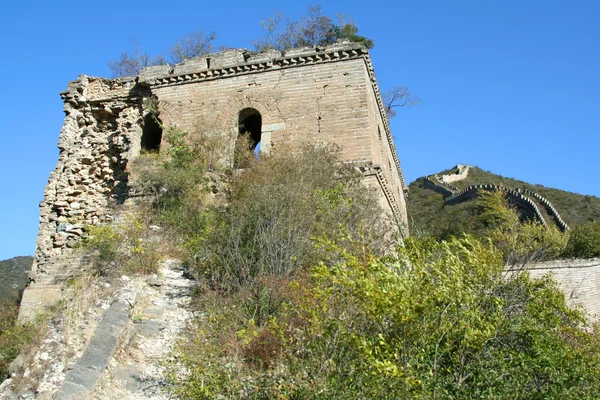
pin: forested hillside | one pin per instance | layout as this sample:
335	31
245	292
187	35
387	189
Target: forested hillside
13	277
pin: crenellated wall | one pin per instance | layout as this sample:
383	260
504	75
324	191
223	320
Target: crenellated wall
517	196
528	208
562	225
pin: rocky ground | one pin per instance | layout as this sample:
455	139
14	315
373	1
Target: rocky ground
88	335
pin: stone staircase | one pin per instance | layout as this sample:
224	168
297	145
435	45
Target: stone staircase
125	357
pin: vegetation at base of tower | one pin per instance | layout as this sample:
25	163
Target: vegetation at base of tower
262	228
299	299
439	320
264	232
125	248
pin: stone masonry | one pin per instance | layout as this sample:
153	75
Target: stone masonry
325	94
579	280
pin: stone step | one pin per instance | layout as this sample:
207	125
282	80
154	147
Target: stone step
81	381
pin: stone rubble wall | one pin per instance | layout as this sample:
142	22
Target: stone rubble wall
100	134
101	128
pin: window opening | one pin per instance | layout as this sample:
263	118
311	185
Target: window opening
151	133
249	137
250	123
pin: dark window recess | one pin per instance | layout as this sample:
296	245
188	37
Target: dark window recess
151	133
250	123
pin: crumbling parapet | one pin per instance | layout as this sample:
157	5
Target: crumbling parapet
100	133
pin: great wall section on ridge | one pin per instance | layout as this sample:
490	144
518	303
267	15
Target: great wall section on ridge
578	279
529	207
324	94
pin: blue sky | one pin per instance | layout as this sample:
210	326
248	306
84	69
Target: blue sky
510	86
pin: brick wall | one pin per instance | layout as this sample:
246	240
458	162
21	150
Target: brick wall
578	279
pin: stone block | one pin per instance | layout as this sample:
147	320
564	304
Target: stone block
51	296
227	58
147	328
156	71
32	295
265	56
195	64
154	312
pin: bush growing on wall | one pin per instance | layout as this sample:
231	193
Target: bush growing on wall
272	214
124	248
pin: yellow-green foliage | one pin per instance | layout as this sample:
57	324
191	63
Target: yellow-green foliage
440	321
520	242
124	248
584	241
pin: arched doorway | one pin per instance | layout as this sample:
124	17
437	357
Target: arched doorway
250	123
248	138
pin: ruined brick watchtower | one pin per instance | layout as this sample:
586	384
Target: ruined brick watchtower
327	94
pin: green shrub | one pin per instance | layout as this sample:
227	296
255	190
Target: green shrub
13	336
105	243
125	248
519	241
172	178
441	321
584	241
272	215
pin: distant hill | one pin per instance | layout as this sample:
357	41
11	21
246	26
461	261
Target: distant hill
428	212
13	277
